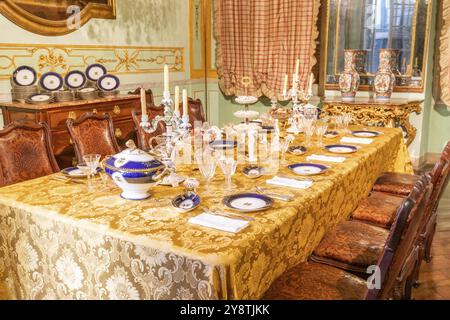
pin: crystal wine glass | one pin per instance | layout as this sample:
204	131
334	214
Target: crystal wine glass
308	127
285	146
207	165
228	166
92	161
346	120
86	170
321	128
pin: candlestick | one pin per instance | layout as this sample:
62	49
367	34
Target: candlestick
143	102
185	102
297	67
166	77
177	99
285	85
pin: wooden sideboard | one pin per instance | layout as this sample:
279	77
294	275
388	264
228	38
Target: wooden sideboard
56	114
367	111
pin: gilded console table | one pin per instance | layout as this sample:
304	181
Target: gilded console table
367	111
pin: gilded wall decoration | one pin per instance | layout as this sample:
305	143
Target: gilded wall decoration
64	58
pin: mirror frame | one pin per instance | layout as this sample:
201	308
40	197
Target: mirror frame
325	6
38	25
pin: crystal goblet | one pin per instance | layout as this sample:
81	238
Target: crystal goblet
228	166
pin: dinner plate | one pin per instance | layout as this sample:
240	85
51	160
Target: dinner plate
365	134
24	76
95	71
76	173
297	150
51	81
341	148
75	79
186	202
308	169
223	144
108	82
40	98
248	202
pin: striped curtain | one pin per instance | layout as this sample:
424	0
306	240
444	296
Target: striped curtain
262	39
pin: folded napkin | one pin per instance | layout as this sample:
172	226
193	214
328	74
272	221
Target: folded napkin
286	182
356	140
219	223
317	157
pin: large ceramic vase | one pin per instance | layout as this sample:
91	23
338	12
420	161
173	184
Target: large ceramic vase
349	79
384	81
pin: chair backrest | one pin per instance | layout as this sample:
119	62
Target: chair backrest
402	238
143	137
148	96
25	152
440	178
93	133
195	111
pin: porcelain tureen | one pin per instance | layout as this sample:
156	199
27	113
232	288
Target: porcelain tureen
135	171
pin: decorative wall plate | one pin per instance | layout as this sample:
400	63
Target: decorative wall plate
308	169
95	71
108	82
297	150
186	202
365	134
24	76
75	79
341	148
40	98
248	202
51	81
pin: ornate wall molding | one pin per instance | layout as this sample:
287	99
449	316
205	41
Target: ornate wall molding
64	58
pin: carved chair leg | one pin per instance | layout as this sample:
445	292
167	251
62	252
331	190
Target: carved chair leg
428	244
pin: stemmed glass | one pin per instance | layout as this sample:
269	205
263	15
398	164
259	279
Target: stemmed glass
308	128
285	146
346	120
207	165
321	129
92	162
228	166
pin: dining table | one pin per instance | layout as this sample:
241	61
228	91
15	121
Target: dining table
62	240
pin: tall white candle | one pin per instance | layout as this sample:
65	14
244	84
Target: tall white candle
166	78
177	99
185	102
311	82
297	67
285	84
294	81
143	102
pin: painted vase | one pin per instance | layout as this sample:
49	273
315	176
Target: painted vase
384	81
349	79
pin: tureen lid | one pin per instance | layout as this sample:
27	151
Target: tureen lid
134	154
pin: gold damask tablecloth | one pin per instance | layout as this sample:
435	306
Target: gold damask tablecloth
59	241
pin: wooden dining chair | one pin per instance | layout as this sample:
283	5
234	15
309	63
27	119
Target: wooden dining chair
143	138
195	111
25	152
93	134
354	245
319	281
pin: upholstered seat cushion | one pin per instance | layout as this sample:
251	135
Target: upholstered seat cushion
379	209
351	245
396	183
315	281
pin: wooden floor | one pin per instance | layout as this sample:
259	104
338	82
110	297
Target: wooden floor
435	276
